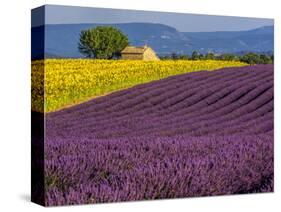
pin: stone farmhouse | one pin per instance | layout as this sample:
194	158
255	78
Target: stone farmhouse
139	53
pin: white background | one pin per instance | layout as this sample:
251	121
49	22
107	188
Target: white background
15	104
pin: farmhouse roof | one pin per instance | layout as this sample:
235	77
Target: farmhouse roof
134	49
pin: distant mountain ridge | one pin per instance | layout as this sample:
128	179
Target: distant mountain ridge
61	40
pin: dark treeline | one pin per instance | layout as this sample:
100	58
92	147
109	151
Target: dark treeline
250	58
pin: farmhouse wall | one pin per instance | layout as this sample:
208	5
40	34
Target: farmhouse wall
149	54
129	56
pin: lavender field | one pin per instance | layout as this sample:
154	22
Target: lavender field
197	134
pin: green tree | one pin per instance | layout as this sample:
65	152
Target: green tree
174	56
210	56
195	55
102	42
184	57
201	56
272	58
228	57
251	58
265	59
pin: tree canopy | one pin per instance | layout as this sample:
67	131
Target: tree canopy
102	42
250	58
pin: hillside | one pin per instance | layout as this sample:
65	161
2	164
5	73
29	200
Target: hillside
61	40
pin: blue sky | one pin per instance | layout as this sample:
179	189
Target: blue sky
55	14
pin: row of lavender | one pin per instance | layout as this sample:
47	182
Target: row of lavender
197	134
